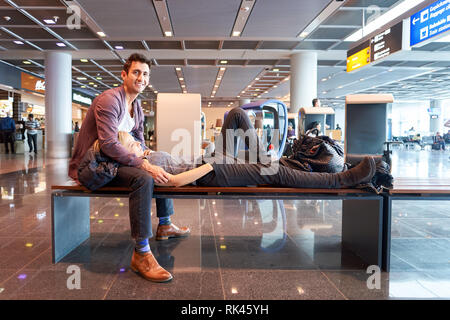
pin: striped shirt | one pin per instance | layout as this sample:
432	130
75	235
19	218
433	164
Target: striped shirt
33	125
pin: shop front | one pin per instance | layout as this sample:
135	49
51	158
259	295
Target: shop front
28	97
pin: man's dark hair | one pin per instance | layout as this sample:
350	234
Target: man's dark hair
30	116
136	57
314	101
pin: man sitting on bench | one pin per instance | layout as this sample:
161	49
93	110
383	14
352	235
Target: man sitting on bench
117	110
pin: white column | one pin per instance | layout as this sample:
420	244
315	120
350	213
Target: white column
303	80
58	104
436	123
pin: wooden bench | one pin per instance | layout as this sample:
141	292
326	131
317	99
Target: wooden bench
362	212
408	189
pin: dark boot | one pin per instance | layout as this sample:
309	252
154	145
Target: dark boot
362	173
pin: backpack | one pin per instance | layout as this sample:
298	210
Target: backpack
321	153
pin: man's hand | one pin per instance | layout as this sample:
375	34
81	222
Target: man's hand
147	152
158	173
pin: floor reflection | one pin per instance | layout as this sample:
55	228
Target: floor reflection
238	249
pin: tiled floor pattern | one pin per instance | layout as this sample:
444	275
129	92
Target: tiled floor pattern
238	249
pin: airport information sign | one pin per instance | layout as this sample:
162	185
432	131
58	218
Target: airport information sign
430	22
386	42
376	48
358	57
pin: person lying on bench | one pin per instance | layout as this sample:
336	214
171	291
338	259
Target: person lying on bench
182	172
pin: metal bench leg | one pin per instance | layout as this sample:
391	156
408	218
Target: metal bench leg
70	224
387	212
362	223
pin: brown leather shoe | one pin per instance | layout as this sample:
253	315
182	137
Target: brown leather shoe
164	232
147	266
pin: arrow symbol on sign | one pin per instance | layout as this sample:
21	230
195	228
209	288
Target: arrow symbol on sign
415	20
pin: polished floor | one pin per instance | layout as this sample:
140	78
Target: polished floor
238	249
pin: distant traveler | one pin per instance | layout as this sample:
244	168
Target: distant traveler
8	129
313	130
32	125
439	141
316	103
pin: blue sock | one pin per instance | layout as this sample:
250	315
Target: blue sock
142	245
164	221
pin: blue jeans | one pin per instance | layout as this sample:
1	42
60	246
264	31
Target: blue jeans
140	201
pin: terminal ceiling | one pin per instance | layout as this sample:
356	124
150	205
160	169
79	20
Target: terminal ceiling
257	61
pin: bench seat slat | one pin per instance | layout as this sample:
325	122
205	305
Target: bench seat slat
197	189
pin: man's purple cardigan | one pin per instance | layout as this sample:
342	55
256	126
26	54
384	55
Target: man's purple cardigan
102	122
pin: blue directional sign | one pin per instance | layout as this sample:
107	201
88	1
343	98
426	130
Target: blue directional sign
430	22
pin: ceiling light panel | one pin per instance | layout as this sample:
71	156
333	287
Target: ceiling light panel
180	76
164	18
242	16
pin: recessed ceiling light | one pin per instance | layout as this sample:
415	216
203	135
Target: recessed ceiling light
156	91
81	78
304	34
223	61
83	87
168	33
178	69
95	86
275	86
276	70
119	47
99	78
222	69
18	42
115	85
60	44
49	21
236	33
91	83
26	62
101	34
181	79
84	60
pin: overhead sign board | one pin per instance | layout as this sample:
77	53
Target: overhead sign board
358	57
430	22
386	42
81	98
32	83
376	48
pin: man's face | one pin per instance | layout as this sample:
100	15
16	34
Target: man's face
137	78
